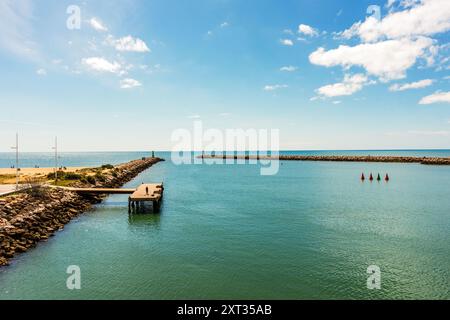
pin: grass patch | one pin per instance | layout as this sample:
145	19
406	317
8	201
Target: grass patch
6	178
65	176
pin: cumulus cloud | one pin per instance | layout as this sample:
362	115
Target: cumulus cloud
41	72
224	24
128	43
101	65
274	87
413	85
129	83
387	60
307	30
97	25
425	18
350	85
437	97
286	42
288	68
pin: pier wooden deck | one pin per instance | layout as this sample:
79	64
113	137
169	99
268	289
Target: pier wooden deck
146	192
100	190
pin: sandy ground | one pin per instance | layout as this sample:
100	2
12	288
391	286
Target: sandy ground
9	175
35	171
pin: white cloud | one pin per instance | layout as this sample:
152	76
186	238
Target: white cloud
337	102
390	3
102	65
224	24
97	25
41	72
275	87
288	68
437	97
350	85
307	30
409	3
388	59
286	42
413	85
129	83
128	43
426	18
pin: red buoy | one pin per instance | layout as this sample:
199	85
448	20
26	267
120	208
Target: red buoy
386	178
371	177
362	177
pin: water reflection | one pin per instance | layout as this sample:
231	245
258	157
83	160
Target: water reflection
144	218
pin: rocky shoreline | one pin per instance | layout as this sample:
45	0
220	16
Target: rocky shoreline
394	159
29	217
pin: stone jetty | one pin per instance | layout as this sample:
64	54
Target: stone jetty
394	159
35	215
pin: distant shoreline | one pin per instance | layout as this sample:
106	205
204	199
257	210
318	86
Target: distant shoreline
199	151
392	159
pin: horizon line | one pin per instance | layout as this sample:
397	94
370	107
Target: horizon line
284	150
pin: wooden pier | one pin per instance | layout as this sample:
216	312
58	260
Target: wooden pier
146	192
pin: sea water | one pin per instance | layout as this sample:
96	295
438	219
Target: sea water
226	232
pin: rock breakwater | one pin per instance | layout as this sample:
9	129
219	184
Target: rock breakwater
29	217
397	159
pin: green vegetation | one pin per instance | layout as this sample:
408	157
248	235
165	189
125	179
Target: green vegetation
65	176
100	177
107	166
90	179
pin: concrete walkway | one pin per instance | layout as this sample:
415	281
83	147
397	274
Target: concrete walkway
6	189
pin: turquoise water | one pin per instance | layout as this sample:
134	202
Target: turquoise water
225	231
75	159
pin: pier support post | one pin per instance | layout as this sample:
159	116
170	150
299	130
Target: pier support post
156	206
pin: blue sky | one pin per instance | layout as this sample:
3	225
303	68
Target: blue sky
327	73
